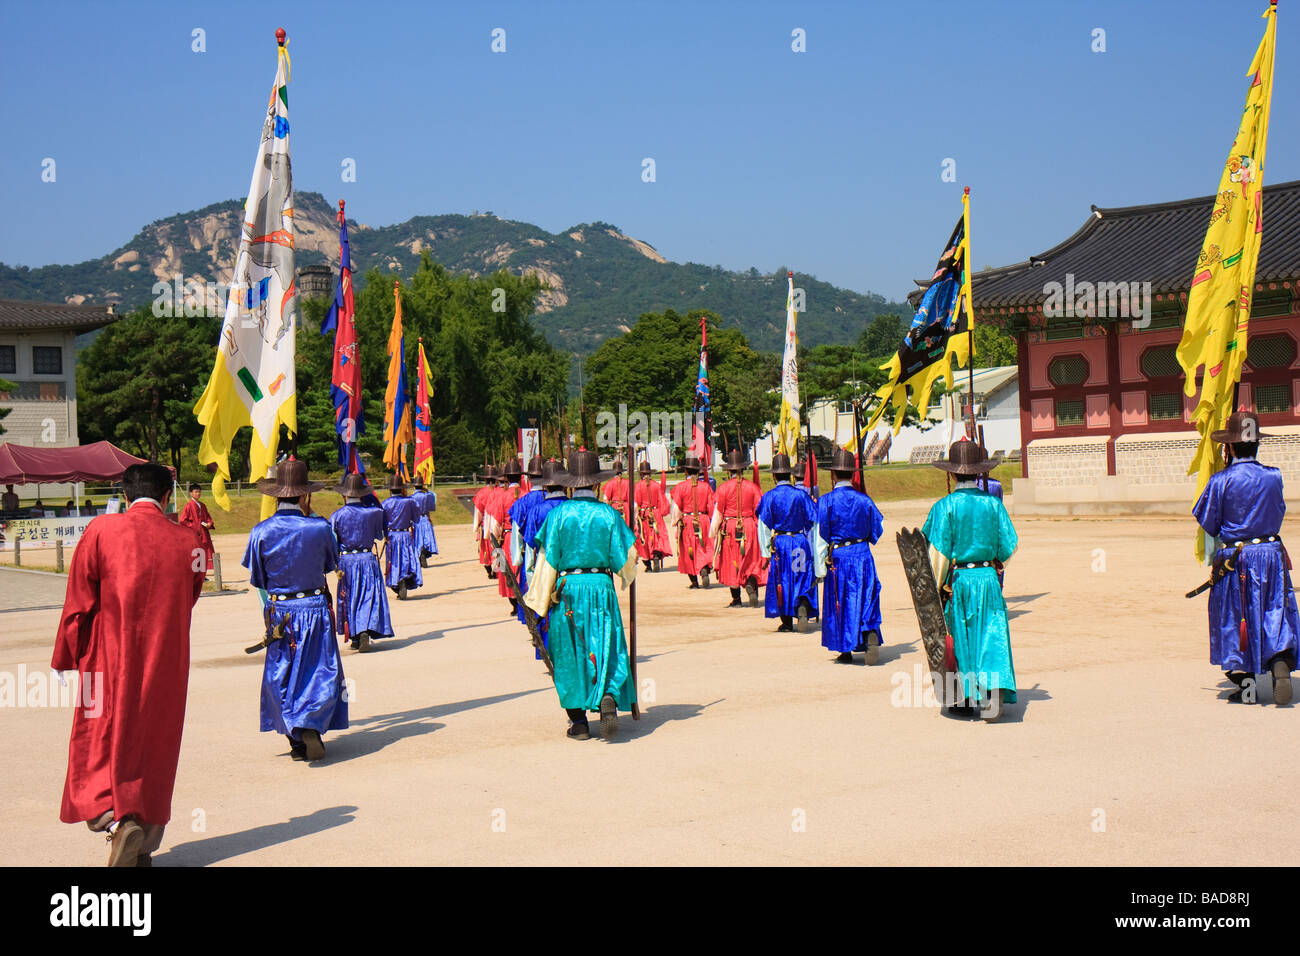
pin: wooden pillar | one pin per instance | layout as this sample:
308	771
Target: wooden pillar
1112	370
1022	378
216	571
18	553
58	555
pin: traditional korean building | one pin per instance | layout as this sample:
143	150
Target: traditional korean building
1097	319
38	353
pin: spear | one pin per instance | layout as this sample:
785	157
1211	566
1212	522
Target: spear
631	591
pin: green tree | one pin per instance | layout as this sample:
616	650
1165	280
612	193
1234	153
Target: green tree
6	387
138	382
488	363
993	346
652	368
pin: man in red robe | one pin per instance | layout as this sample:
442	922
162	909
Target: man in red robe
481	498
126	630
735	528
692	508
498	521
196	516
652	506
615	490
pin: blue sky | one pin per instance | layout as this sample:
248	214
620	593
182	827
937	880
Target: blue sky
827	161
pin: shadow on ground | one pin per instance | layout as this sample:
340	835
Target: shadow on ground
651	720
377	732
214	849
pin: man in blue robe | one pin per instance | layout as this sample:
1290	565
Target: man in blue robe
288	556
1253	619
517	515
787	530
426	543
582	545
848	524
362	600
971	537
400	515
553	494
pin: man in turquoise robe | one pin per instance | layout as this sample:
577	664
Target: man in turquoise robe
581	546
971	537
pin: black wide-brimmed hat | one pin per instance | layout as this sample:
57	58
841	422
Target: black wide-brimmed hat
644	468
584	470
353	486
513	470
843	462
781	465
1240	424
553	474
618	466
691	464
967	458
397	483
490	473
736	460
534	467
290	481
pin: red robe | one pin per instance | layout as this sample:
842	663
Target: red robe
498	507
126	618
737	502
480	511
196	516
692	502
651	508
615	492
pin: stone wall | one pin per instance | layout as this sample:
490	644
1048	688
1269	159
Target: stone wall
1062	462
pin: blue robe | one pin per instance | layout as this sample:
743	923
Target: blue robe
970	526
302	677
426	542
362	603
400	515
851	594
787	528
1242	502
518	516
533	522
586	640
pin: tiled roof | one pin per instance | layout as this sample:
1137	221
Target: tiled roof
18	315
1158	243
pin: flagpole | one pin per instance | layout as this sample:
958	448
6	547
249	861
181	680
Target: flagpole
970	308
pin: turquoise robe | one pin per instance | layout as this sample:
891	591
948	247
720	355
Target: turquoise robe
586	639
967	526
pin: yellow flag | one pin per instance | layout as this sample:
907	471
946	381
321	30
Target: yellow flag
252	379
1223	286
397	406
939	339
787	432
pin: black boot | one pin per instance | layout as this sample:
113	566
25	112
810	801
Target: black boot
695	582
297	749
845	658
735	598
786	623
578	727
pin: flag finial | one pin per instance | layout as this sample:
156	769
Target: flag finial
280	36
965	190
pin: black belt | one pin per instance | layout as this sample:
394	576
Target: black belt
789	534
1266	540
967	565
587	571
354	551
845	544
296	594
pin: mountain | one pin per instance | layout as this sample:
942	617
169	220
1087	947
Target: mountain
600	280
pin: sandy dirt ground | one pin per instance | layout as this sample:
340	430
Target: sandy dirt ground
753	747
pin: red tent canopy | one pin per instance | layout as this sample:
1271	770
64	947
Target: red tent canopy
99	461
